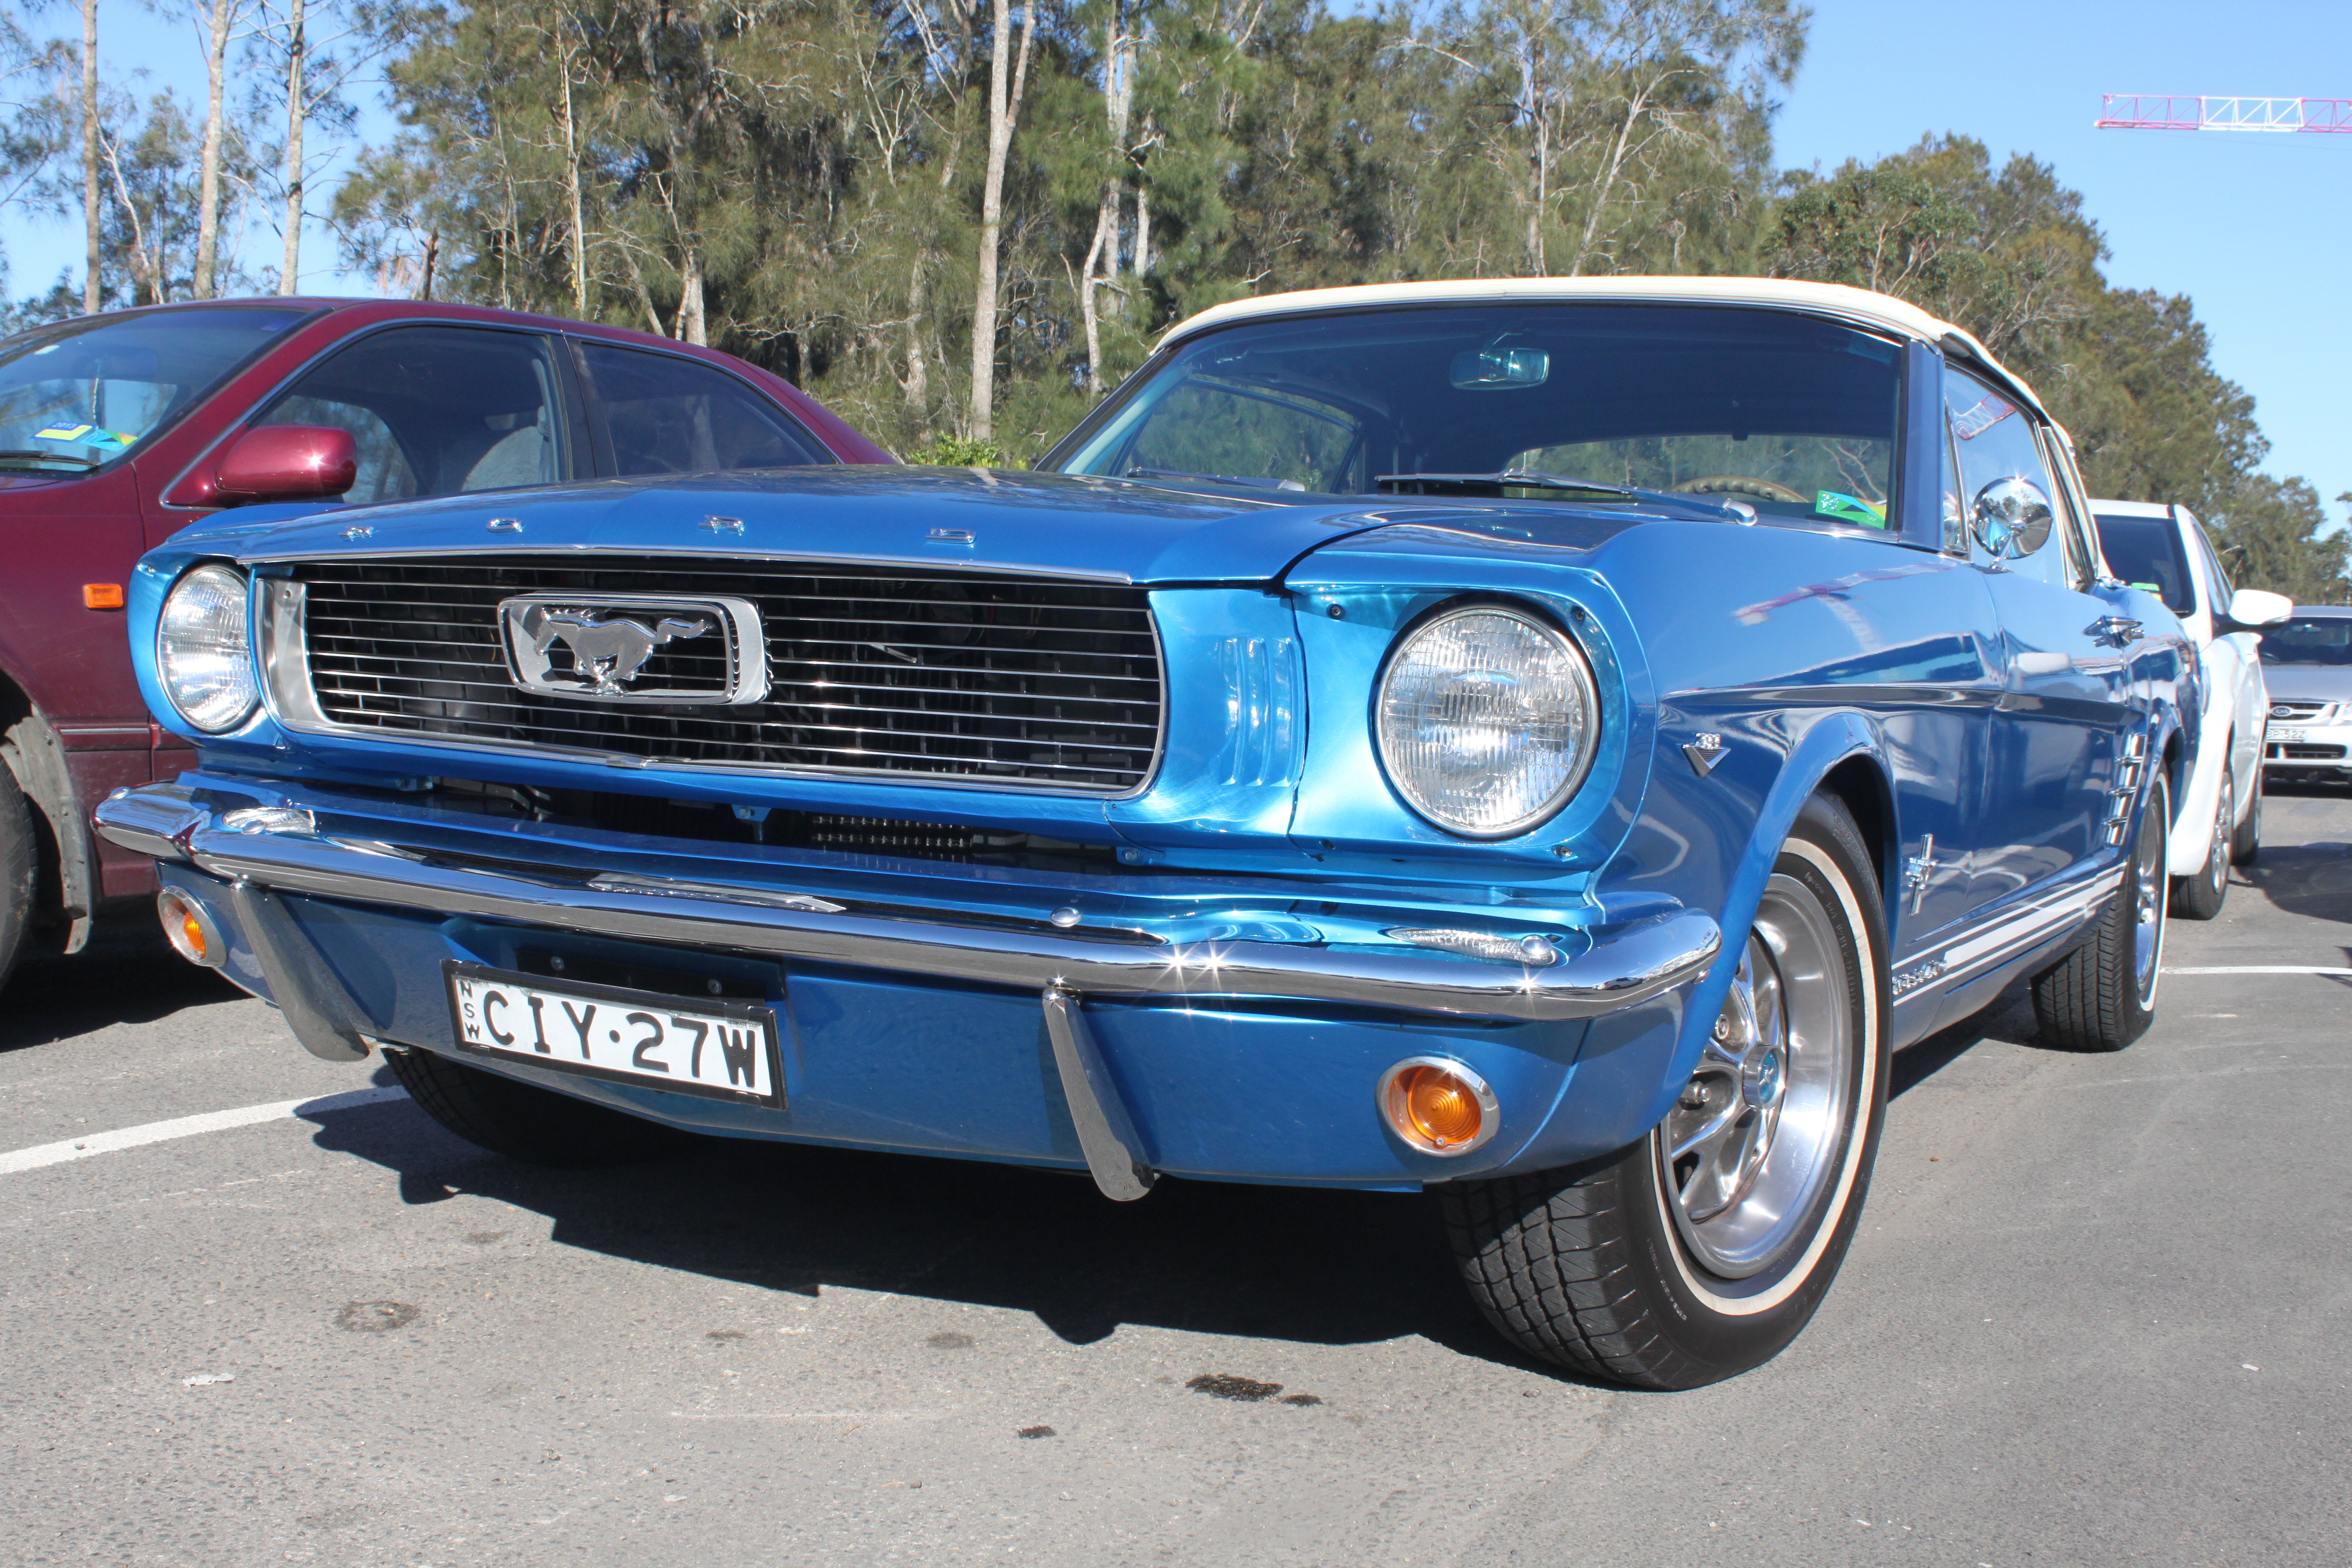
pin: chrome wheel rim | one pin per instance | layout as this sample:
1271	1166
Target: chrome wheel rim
1755	1136
2148	908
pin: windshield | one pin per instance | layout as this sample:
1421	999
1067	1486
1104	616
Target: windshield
78	395
2145	553
2310	639
1794	415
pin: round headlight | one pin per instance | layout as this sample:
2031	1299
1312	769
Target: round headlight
1487	718
203	652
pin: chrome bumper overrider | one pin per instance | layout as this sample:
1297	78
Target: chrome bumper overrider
1625	964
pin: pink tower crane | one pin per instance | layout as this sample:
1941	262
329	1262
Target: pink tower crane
2156	111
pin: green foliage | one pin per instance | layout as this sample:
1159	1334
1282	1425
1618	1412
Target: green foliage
2274	534
956	452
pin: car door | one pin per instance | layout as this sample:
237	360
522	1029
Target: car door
442	410
2065	704
2243	657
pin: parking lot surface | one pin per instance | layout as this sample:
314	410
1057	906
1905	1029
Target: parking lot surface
2096	1313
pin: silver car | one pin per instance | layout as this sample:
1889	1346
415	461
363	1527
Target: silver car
2308	664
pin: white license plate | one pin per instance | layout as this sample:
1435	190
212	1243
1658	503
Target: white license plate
726	1050
2285	737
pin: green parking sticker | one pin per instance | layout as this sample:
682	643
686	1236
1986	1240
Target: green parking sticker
1851	509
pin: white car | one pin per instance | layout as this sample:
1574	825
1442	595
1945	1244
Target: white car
2218	822
2307	663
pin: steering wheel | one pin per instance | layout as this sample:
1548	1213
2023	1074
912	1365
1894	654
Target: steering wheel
1738	485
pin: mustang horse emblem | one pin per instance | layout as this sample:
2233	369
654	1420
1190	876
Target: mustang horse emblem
606	654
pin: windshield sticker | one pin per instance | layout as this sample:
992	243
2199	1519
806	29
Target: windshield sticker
1851	509
87	435
1990	411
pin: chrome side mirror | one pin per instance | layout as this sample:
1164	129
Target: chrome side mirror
2012	517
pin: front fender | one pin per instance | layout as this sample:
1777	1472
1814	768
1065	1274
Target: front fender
1829	739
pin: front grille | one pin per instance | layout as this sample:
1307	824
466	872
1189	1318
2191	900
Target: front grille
983	679
2306	753
2298	712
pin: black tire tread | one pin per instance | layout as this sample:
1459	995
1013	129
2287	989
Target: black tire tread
523	1120
2195	897
19	854
2087	1000
1559	1286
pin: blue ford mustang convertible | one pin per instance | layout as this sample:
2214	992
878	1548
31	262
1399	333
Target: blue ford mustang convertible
1541	743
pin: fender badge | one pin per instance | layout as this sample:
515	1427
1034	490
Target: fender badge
1703	753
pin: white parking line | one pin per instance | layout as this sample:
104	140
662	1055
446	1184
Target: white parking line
186	1127
2254	969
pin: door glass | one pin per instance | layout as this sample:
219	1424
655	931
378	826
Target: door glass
667	414
1997	446
437	410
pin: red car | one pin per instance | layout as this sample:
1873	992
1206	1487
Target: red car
118	430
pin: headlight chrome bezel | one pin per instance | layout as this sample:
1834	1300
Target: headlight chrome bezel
1580	671
238	587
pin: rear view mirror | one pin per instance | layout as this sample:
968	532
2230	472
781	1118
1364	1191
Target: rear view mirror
1494	369
288	462
2256	607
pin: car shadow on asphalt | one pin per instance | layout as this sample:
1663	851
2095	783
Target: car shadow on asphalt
1316	1267
123	976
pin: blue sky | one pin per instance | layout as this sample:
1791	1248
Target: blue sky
2256	228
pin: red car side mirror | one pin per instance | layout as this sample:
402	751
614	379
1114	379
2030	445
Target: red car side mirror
288	462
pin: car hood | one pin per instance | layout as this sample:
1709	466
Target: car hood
952	518
2307	682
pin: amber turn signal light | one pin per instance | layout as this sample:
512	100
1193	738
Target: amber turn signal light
1439	1107
102	596
191	934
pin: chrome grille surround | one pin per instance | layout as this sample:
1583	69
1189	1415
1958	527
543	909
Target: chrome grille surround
997	679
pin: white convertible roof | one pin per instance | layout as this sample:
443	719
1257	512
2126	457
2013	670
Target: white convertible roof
1856	305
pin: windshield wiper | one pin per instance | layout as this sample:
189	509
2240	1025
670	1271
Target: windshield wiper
30	456
1255	483
1512	479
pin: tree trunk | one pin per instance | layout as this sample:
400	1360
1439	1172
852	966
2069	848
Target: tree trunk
1118	97
1142	231
919	375
691	327
571	192
1005	80
93	279
208	202
290	279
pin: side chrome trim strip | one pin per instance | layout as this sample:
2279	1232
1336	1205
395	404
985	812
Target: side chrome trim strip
2004	935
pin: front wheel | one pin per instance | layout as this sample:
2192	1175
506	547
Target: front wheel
2247	841
2102	996
1702	1250
2199	896
18	857
524	1121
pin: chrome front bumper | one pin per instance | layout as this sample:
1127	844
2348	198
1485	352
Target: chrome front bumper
254	845
1621	966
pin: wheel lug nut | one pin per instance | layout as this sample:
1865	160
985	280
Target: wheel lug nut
1695	1097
